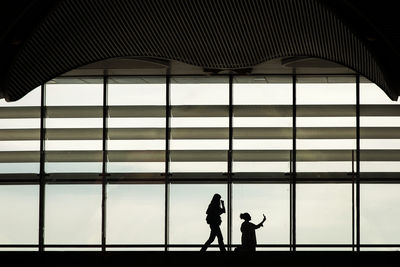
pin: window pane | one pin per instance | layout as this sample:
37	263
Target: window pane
258	199
380	216
73	214
380	128
136	122
20	134
326	126
262	125
135	214
323	214
211	90
75	92
188	205
199	124
74	125
136	91
19	209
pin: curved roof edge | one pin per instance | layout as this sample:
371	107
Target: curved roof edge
211	34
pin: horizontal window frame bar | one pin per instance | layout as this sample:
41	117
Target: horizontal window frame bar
186	180
202	133
206	111
178	156
192	245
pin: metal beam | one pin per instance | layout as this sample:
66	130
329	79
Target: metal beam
358	159
42	173
294	172
104	167
167	159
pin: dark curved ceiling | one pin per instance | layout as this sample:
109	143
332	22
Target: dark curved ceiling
42	39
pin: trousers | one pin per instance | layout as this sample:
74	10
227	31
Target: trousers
215	233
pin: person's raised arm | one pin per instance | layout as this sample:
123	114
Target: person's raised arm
261	223
223	206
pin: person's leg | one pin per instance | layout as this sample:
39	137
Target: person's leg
210	239
218	233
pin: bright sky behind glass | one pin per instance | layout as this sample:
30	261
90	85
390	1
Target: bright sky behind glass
136	212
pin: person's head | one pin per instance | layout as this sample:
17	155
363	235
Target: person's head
245	216
216	198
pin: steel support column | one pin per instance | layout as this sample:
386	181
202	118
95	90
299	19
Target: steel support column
42	174
167	159
358	162
104	166
230	174
293	172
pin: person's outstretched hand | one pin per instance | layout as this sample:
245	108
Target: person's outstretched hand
262	222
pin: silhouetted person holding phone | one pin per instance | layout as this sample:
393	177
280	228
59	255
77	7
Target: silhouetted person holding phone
214	211
248	229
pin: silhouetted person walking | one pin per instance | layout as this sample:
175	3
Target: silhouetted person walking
248	229
214	211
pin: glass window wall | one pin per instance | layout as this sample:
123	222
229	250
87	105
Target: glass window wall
135	214
113	193
324	214
73	215
271	200
380	133
199	124
19	209
262	125
326	126
74	124
136	124
188	206
20	135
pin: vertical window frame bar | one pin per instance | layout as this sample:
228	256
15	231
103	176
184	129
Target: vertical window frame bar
42	174
352	203
230	151
358	162
294	171
167	159
104	167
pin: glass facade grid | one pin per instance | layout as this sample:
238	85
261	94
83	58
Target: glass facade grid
20	135
325	126
136	125
199	124
262	125
203	133
73	141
